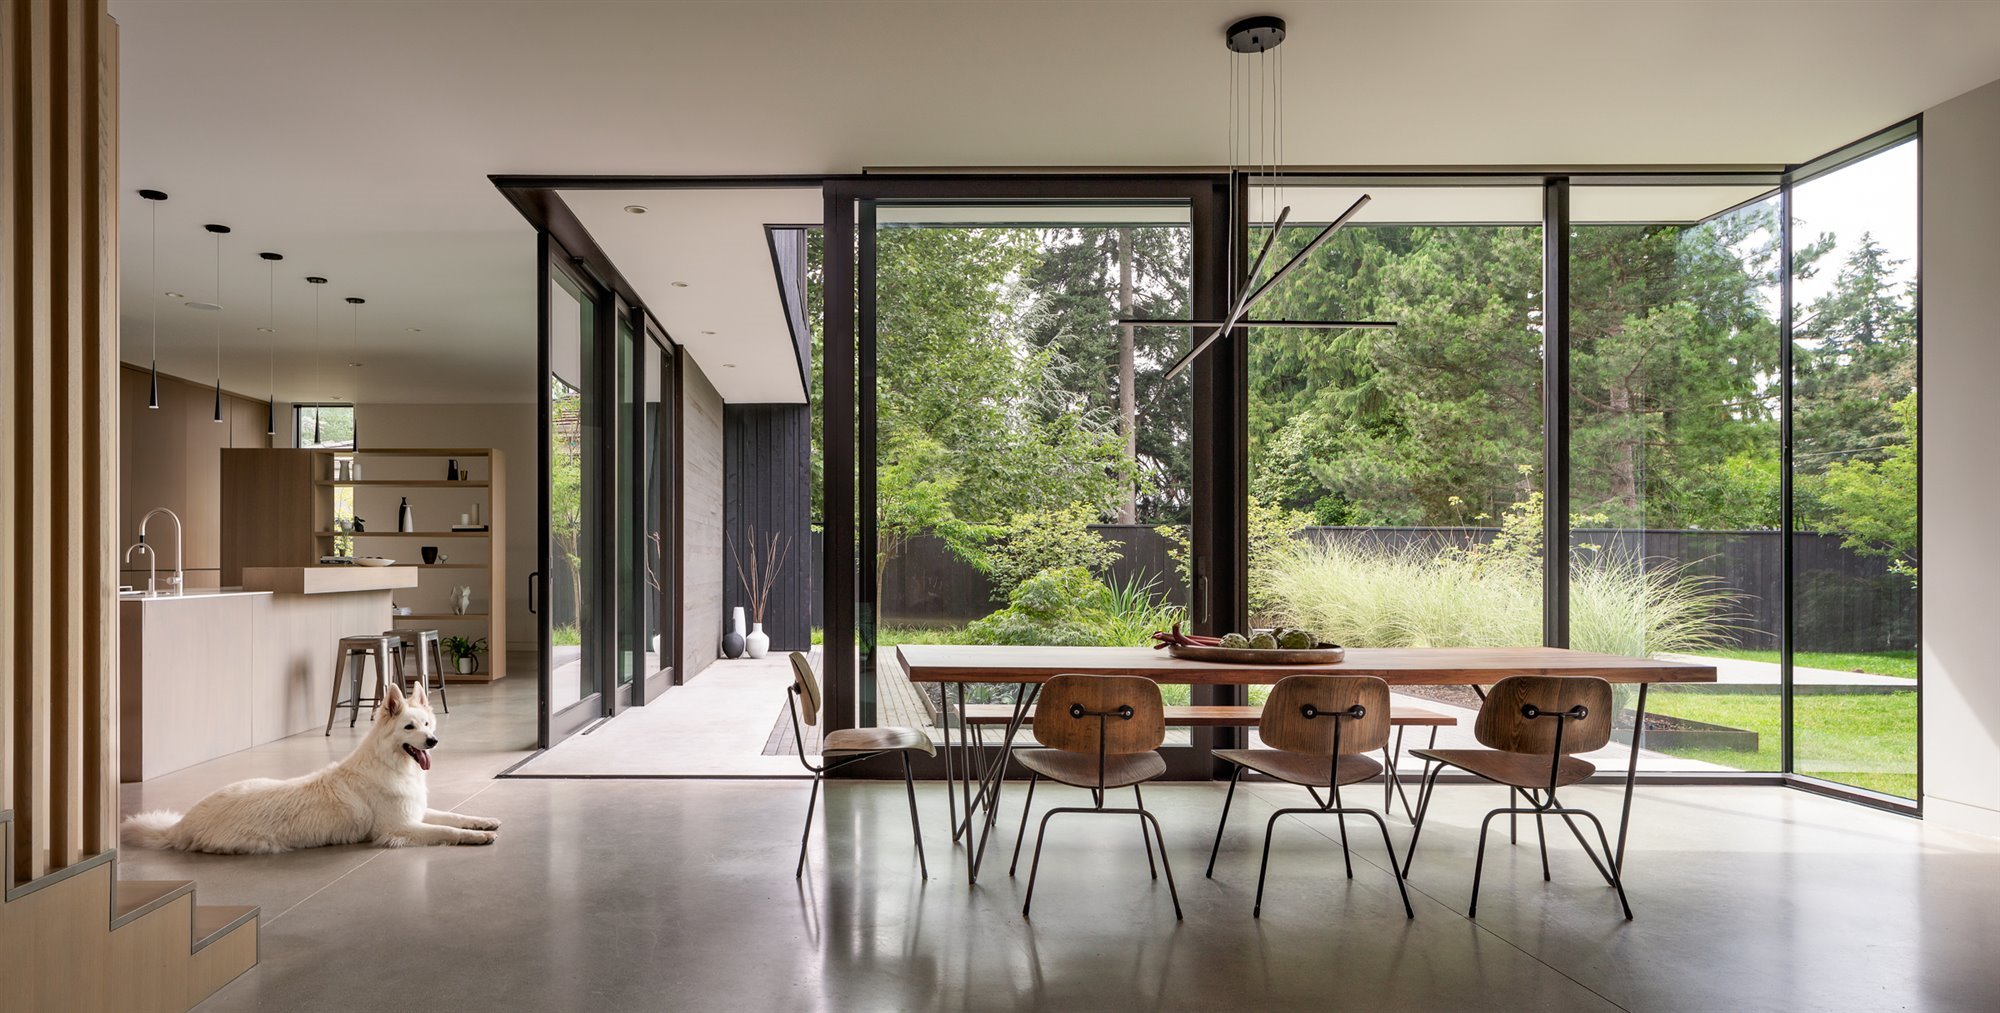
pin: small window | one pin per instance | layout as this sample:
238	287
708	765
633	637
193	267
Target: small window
324	426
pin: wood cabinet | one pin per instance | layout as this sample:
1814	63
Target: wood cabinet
280	506
171	456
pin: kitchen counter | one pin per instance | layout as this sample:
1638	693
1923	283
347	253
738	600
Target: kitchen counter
329	579
214	670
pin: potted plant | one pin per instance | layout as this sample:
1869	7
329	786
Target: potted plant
464	653
757	578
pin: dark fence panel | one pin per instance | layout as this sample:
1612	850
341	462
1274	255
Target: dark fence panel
1846	601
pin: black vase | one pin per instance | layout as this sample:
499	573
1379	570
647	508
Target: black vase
451	469
732	644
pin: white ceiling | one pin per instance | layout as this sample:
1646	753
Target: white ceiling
356	138
726	309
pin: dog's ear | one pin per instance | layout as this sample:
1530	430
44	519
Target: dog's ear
418	696
392	701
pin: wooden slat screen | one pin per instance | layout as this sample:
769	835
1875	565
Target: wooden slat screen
58	422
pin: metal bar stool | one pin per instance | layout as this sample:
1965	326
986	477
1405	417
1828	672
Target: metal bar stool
430	660
348	664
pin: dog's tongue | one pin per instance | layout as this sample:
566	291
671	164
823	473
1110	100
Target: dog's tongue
423	756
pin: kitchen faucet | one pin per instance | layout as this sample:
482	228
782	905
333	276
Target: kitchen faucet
153	557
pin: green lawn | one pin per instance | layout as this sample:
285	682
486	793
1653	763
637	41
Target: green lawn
1867	740
1901	664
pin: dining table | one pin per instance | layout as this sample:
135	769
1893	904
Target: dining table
955	666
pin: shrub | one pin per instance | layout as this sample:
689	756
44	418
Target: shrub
1042	540
1371	596
1070	607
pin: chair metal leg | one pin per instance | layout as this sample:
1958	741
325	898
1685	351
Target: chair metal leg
1035	867
1027	805
1479	864
916	828
354	713
1542	835
1587	849
437	666
333	702
1257	910
1144	836
1617	874
1423	807
1390	847
1172	891
812	801
1345	856
1223	822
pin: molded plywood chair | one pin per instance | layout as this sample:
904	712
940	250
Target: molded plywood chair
1531	726
1317	728
849	745
1099	732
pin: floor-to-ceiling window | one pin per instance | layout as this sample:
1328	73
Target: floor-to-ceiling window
1032	468
1395	490
1854	410
1674	409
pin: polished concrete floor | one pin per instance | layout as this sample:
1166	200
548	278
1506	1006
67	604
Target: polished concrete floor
678	895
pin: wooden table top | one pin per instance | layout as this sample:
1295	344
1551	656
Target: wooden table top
1409	666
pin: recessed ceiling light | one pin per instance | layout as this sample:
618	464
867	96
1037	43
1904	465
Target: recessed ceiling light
414	330
708	332
173	295
356	365
197	304
265	330
635	209
680	284
728	365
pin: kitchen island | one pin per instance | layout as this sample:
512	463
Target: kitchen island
207	672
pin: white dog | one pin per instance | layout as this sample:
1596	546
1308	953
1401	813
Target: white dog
376	794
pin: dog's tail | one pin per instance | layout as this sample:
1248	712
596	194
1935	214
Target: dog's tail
151	829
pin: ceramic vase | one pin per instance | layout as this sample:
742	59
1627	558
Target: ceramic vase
732	638
757	644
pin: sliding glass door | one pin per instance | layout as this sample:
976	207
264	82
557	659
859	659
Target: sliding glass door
572	614
604	592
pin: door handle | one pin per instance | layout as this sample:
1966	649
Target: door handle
534	582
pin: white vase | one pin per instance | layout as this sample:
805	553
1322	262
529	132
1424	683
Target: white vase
466	664
756	644
737	620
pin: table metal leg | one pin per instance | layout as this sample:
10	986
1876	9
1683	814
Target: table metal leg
950	789
1631	777
1024	698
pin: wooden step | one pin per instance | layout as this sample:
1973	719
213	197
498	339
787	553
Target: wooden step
135	897
214	921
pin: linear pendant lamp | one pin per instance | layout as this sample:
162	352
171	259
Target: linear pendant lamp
270	330
215	306
153	199
1256	142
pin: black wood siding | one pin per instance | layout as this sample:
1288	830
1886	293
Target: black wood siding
766	451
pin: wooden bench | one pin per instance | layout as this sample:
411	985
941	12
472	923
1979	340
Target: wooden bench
979	716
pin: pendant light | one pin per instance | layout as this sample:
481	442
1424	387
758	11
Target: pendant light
354	335
316	282
271	343
1256	146
215	306
153	199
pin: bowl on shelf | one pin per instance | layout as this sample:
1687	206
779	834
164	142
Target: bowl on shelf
373	561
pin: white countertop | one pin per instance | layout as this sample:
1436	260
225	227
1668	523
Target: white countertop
190	593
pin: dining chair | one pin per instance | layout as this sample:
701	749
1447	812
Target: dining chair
843	746
1532	725
1318	729
1098	732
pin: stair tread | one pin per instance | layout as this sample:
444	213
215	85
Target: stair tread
212	920
136	895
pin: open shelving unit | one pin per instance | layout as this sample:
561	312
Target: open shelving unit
483	551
